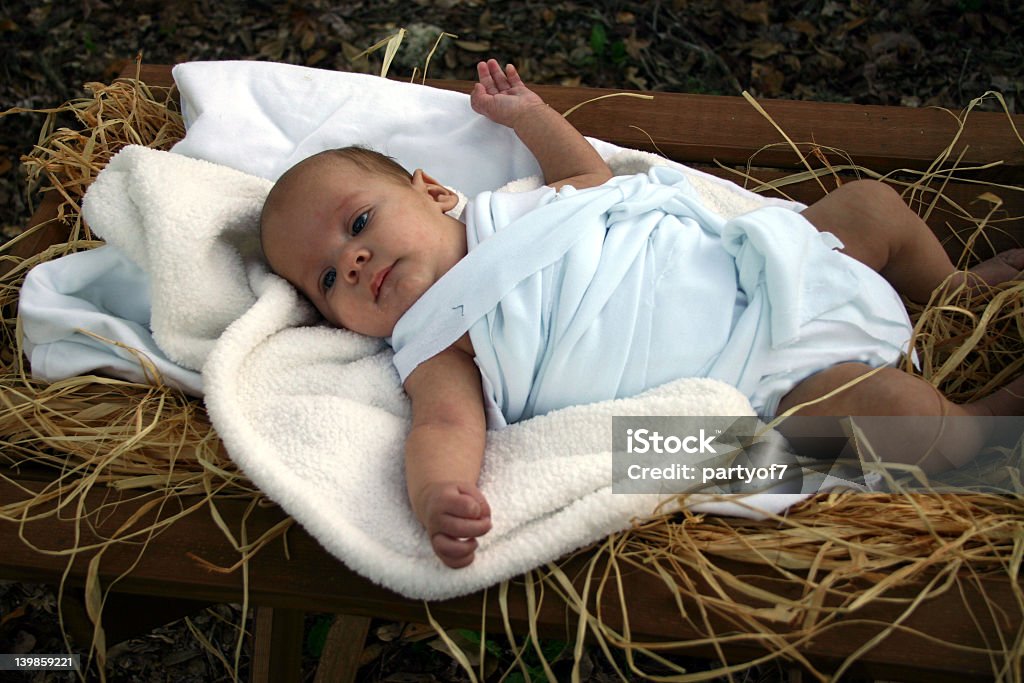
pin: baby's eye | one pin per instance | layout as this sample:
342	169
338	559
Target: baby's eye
329	278
360	223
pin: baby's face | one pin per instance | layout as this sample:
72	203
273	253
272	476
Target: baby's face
362	246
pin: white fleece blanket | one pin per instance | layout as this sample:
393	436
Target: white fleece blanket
316	416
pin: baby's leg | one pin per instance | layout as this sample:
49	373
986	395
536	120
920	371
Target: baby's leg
878	229
893	392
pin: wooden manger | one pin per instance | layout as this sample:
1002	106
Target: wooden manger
901	587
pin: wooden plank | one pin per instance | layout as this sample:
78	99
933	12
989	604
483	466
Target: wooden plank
310	579
157	75
277	646
709	128
346	639
706	128
54	232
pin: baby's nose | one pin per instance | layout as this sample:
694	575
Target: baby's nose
354	266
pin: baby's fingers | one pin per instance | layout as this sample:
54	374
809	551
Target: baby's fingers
491	76
496	80
483	74
512	76
454	552
462	500
472	492
461	527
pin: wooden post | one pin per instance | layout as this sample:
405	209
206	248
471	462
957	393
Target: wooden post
277	646
339	662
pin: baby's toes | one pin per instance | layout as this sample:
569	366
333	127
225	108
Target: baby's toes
1014	258
1000	268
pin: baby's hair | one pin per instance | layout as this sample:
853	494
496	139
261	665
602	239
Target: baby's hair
370	161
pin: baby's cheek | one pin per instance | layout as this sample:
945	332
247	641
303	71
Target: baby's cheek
406	292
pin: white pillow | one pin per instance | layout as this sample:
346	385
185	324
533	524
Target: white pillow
263	118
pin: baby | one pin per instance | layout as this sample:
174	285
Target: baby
788	307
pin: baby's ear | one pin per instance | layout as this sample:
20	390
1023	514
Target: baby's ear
445	197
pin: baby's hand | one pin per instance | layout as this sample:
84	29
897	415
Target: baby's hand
500	95
454	515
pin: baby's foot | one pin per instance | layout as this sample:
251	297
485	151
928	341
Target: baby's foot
1001	268
1007	400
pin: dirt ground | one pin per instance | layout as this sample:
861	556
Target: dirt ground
914	54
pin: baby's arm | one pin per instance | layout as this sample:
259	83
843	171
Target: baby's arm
444	452
565	157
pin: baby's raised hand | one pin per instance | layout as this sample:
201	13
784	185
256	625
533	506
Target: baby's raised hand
501	95
454	515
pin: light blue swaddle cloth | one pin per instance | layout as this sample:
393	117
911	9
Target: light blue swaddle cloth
578	296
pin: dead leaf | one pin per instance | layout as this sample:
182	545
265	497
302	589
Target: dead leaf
37	15
755	13
803	26
350	51
635	46
633	77
405	631
24	643
273	49
469	649
20	611
308	40
998	23
487	26
415	632
316	57
763	49
768	79
474	45
389	632
831	8
852	24
829	61
371	653
892	41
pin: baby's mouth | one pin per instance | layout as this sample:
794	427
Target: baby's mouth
378	281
